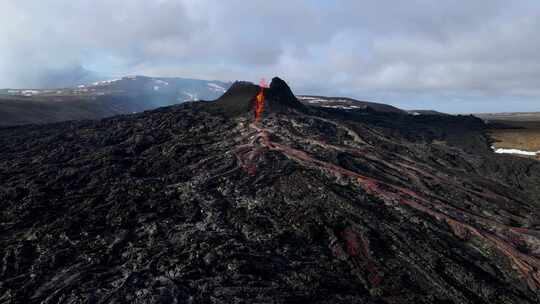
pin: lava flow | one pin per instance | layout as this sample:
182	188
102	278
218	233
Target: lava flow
259	100
526	264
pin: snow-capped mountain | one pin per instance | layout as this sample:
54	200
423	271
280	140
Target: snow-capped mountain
103	98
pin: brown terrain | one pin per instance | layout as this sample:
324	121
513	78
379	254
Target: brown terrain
515	130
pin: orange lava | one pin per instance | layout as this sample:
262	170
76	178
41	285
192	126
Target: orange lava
259	101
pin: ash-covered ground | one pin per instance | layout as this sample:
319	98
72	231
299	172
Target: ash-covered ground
197	203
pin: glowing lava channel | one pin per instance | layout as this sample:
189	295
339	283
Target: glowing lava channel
259	100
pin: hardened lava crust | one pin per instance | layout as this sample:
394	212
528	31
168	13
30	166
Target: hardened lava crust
198	203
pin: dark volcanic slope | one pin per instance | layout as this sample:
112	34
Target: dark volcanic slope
196	204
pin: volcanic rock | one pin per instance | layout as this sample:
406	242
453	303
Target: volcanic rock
280	97
237	100
197	203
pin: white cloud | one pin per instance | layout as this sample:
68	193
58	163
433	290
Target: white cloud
379	49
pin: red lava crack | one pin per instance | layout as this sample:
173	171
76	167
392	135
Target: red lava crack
504	238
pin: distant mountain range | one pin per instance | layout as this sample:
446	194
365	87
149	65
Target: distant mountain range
102	98
132	94
347	104
512	116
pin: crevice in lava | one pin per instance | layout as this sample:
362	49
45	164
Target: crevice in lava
459	220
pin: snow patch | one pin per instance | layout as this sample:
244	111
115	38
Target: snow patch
161	82
30	92
191	97
310	99
341	107
514	151
105	82
307	98
216	87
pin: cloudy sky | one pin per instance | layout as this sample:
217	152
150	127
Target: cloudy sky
453	56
